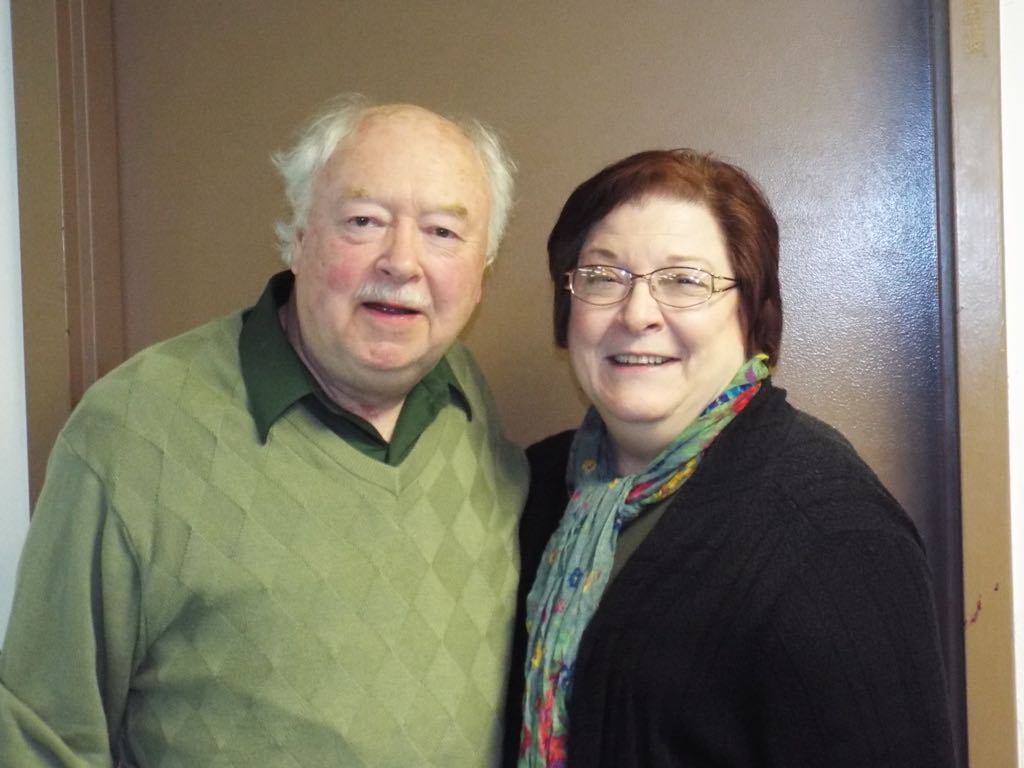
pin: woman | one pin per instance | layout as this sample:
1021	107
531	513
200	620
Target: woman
714	578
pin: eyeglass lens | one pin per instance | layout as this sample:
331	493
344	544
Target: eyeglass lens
675	286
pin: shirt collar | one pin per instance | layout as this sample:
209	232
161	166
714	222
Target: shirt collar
275	376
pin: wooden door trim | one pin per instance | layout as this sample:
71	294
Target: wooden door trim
88	113
65	112
982	382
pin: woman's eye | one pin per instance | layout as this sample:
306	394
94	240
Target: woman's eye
599	278
361	221
685	278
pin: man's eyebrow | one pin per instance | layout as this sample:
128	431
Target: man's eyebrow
455	209
360	194
356	193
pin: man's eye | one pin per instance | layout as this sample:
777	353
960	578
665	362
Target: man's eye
444	232
361	221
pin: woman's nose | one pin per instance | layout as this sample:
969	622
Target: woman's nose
640	311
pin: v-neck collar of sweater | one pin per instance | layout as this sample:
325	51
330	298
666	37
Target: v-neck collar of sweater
394	479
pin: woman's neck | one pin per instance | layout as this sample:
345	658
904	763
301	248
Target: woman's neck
632	453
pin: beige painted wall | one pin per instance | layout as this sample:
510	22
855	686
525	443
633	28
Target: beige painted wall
808	103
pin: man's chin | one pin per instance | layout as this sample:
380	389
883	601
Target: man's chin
396	373
398	359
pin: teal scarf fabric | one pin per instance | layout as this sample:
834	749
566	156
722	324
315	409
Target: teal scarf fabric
576	564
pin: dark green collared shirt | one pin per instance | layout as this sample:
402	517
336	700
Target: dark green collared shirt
276	379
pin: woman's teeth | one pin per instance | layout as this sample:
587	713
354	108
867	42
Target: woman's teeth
639	359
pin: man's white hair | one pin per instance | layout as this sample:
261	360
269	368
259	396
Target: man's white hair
300	166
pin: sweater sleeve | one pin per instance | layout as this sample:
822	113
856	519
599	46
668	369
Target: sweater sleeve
70	645
850	672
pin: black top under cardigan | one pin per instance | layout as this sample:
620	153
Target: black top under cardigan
779	614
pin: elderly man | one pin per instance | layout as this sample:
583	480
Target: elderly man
286	538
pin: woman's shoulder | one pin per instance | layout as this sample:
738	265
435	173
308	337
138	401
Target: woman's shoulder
551	451
803	469
790	437
548	459
828	488
548	494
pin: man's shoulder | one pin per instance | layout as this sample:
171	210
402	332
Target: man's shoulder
469	376
485	418
197	365
165	364
462	361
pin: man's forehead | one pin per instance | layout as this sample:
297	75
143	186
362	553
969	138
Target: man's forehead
406	133
400	111
406	152
400	120
362	194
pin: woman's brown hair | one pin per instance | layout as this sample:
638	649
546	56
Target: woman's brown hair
735	201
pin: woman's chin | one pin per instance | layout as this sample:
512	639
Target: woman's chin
627	417
641	423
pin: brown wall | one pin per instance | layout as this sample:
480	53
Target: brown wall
831	110
830	105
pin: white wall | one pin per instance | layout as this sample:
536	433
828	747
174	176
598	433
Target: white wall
13	435
1011	28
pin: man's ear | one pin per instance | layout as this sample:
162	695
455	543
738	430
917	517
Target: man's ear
300	235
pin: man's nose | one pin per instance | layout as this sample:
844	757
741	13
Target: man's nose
403	249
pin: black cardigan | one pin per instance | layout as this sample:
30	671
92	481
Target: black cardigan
779	614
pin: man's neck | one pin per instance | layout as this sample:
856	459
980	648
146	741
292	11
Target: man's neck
382	413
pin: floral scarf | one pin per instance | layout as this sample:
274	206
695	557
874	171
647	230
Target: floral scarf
577	561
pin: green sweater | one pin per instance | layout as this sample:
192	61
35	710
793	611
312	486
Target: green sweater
191	597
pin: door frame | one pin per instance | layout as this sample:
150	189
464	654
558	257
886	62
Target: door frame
65	119
979	312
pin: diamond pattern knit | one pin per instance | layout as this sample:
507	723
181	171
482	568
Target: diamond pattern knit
195	598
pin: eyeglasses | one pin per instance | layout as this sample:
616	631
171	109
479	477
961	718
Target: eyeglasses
678	287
